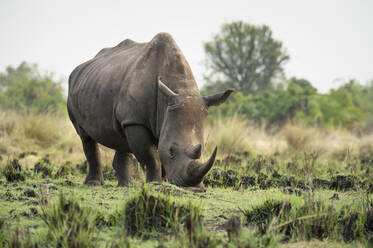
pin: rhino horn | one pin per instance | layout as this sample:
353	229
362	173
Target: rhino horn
194	152
165	90
197	171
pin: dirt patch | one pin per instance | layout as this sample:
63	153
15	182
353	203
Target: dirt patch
321	183
342	182
247	181
222	178
25	154
30	193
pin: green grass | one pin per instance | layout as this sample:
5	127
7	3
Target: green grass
287	191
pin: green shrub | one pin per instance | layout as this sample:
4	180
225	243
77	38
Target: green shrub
25	90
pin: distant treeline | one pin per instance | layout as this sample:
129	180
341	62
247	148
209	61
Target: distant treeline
25	90
350	106
248	58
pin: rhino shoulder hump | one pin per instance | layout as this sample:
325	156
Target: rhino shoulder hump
163	38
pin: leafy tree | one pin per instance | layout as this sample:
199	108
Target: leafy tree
245	57
25	90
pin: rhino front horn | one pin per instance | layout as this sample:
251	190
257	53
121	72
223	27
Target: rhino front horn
198	171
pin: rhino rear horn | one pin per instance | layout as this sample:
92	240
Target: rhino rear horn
165	90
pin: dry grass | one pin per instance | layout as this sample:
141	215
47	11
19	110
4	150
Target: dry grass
234	135
45	130
56	137
297	137
230	135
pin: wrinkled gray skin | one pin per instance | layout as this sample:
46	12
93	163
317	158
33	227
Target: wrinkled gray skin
142	98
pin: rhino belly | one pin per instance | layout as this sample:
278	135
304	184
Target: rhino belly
108	137
98	122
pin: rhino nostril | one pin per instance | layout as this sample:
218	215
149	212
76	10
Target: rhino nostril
194	152
171	152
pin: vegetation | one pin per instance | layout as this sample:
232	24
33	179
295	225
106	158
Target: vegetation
249	59
25	90
349	106
293	168
264	191
244	57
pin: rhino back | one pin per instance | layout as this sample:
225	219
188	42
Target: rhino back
118	87
94	89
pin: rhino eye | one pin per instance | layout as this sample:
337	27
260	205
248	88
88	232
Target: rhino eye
171	151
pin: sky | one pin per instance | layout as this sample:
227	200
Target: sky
329	41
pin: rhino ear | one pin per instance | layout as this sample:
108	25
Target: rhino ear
217	99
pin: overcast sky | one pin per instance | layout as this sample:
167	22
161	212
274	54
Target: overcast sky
328	41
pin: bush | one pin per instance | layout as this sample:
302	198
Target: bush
25	90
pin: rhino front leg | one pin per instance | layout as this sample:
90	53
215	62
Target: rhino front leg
121	166
92	153
142	145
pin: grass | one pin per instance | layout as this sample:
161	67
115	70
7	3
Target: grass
148	215
299	187
69	224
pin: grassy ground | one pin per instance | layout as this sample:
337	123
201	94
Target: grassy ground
300	187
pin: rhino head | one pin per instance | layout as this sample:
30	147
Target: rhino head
181	138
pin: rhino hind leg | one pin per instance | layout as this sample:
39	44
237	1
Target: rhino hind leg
142	145
121	166
92	153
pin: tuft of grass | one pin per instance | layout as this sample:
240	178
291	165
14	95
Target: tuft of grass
314	219
147	215
65	170
13	171
44	167
15	237
69	224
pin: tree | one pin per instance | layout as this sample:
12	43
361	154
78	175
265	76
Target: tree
25	90
245	57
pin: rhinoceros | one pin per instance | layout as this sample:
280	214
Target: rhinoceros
142	98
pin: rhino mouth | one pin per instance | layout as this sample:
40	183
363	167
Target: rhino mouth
193	176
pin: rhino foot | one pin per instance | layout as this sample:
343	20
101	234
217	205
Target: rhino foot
94	181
